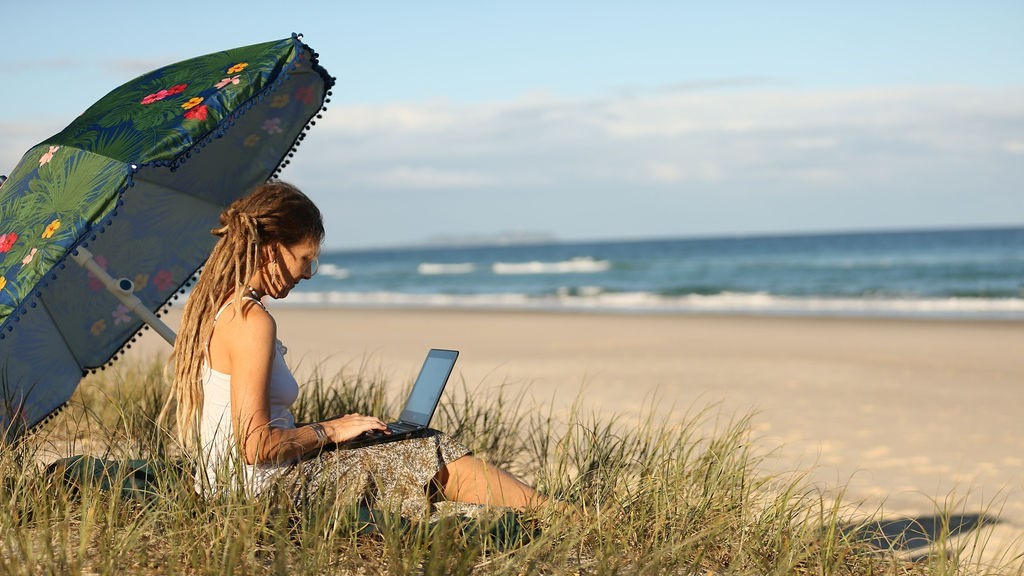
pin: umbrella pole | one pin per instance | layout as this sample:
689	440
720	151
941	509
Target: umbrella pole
123	289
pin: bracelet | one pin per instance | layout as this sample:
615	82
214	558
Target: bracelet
321	434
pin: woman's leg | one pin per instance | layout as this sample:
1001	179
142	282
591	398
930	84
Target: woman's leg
470	479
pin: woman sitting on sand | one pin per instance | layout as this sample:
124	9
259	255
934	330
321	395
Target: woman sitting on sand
234	392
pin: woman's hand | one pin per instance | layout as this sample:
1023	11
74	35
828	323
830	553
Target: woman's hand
349	426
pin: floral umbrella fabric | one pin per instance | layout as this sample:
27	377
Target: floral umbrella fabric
139	180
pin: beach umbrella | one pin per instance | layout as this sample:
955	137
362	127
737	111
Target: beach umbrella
105	223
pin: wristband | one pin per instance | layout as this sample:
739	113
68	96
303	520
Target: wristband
321	434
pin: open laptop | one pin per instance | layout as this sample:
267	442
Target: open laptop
419	407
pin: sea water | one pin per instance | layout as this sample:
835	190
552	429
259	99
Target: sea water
941	274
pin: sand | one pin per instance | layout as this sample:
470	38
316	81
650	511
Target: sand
902	413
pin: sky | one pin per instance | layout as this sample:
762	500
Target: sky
592	120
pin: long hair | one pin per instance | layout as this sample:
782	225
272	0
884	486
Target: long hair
275	212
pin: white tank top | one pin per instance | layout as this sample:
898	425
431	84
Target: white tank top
216	433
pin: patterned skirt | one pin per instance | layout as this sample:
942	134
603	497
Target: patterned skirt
394	476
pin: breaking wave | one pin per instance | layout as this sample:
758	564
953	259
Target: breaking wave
594	299
581	265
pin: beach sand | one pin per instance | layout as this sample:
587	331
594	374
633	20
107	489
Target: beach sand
903	414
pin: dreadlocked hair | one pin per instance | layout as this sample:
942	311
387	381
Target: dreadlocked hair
275	212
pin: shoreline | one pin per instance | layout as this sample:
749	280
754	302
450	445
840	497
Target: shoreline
903	412
294	303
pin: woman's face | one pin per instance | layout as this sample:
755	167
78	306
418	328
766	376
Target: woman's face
294	263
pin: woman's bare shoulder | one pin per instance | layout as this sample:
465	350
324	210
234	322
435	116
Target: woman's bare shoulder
252	329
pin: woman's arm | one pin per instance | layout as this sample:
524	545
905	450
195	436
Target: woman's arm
245	348
249	341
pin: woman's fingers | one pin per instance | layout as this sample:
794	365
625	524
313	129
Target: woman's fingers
349	426
371	420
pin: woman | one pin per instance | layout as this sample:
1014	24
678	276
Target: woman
233	390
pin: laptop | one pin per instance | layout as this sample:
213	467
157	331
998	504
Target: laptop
419	406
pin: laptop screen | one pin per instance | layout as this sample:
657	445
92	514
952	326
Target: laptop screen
426	391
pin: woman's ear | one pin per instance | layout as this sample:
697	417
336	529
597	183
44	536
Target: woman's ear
269	252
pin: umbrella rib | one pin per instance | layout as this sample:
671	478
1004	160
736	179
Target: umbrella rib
53	320
166	188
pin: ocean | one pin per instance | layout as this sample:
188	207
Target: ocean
975	274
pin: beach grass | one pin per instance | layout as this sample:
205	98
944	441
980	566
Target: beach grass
654	497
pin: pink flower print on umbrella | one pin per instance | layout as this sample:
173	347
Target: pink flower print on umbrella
163	280
121	315
154	97
229	80
28	258
272	126
48	155
161	94
7	241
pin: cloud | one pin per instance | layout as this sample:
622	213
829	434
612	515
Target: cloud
1014	146
17	137
723	83
811	143
672	173
132	67
730	127
123	68
402	118
663	137
425	178
663	161
665	172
